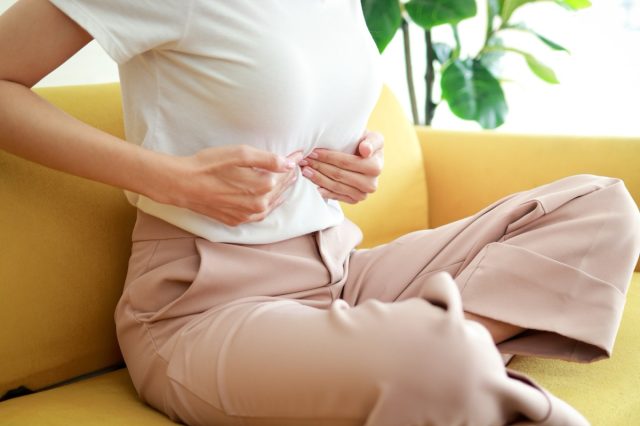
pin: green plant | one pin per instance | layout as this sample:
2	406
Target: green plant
469	85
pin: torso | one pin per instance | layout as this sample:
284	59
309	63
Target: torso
279	75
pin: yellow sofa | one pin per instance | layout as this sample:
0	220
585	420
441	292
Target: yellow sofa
64	246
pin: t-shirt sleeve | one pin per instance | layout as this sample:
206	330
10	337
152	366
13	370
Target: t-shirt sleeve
126	28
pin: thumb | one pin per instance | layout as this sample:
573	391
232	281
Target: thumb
365	149
266	160
372	142
295	156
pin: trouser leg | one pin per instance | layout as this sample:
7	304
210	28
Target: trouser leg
556	259
414	362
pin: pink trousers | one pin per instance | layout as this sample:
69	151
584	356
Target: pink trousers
310	331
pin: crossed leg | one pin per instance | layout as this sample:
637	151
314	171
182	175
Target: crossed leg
555	261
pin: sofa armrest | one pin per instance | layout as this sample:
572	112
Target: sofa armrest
466	171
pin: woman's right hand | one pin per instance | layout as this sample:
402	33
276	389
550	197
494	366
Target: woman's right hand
233	184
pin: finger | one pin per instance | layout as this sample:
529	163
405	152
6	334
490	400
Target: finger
251	200
283	186
263	203
370	143
333	186
362	183
296	156
365	149
326	194
367	166
260	216
268	187
248	156
342	160
256	181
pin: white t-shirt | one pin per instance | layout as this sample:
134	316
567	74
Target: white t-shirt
280	75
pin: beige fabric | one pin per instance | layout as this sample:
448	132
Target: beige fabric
309	332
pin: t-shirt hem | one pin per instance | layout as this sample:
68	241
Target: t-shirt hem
250	233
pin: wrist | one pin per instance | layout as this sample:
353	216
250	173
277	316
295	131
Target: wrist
160	176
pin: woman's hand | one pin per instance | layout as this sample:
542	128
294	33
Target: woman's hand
347	177
232	184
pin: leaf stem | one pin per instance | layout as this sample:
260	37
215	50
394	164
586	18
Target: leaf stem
489	31
429	105
504	49
409	70
456	37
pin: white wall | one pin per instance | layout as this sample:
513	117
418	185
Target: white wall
599	88
600	81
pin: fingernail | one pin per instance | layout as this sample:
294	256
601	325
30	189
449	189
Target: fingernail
312	154
306	172
303	162
290	164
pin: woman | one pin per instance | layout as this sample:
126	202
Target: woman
245	301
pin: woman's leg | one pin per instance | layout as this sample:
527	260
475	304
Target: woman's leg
201	350
500	331
414	362
555	260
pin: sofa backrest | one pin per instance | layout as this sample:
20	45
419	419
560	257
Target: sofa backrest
65	243
399	205
64	246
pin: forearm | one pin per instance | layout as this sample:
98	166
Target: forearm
35	130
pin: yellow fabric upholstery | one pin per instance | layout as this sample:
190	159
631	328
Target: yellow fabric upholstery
63	256
401	198
106	400
65	246
606	392
466	171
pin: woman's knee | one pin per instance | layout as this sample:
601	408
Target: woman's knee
619	206
436	374
609	197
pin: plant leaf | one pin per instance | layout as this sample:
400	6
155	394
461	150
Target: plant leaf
473	93
492	57
538	68
574	4
442	51
551	44
541	70
509	6
431	13
383	18
493	10
494	7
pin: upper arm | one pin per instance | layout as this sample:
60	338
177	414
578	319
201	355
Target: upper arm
36	38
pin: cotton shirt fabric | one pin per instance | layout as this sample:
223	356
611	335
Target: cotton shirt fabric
280	75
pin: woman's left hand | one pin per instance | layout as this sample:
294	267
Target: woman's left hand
347	177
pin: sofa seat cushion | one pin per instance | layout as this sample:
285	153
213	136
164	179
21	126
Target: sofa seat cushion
606	392
109	399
